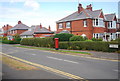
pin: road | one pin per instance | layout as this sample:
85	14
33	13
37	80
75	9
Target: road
79	66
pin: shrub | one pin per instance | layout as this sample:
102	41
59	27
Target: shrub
94	39
87	45
63	36
9	42
39	42
17	38
77	38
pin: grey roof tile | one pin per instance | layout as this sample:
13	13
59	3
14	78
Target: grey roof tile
81	15
20	27
35	30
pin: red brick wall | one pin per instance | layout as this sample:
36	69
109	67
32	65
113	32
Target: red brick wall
78	28
41	35
19	31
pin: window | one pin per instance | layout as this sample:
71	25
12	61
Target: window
68	24
98	22
85	23
112	24
60	25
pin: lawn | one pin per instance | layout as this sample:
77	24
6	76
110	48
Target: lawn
51	49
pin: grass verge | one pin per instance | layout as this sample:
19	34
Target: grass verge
49	49
16	64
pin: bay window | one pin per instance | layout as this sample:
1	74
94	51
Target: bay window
60	25
68	24
112	24
98	22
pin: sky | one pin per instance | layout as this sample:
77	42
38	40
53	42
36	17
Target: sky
34	12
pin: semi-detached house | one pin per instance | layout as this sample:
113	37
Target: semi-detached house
90	23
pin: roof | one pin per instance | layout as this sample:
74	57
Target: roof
109	17
20	27
35	29
82	15
29	32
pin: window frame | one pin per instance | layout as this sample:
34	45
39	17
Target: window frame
68	25
60	25
85	23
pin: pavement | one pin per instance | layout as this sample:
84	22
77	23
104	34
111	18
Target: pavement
86	68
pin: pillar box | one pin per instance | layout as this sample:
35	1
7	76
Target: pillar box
56	43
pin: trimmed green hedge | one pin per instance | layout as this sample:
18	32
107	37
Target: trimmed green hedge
10	42
88	45
74	45
39	42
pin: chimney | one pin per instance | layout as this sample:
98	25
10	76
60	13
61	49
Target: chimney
49	28
40	26
7	25
80	8
89	7
19	22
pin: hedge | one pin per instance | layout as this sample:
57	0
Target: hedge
88	45
72	45
39	42
10	42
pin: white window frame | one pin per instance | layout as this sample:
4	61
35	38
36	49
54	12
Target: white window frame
60	25
85	23
112	25
68	24
100	22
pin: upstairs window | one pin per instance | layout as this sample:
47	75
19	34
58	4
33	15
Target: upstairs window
112	24
85	23
98	22
68	24
60	25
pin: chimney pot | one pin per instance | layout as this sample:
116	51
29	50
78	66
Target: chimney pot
40	26
80	8
19	22
49	28
89	7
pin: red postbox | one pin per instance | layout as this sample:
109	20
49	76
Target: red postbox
56	43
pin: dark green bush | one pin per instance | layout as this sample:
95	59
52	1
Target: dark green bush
78	38
9	42
63	36
39	42
94	39
17	38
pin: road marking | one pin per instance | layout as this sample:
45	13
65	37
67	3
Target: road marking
71	61
33	54
115	70
54	58
45	67
62	60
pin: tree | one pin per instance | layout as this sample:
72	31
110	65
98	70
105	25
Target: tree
78	38
63	36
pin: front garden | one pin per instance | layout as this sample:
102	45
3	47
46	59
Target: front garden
66	41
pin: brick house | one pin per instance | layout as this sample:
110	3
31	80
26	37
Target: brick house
37	31
90	23
4	30
17	29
